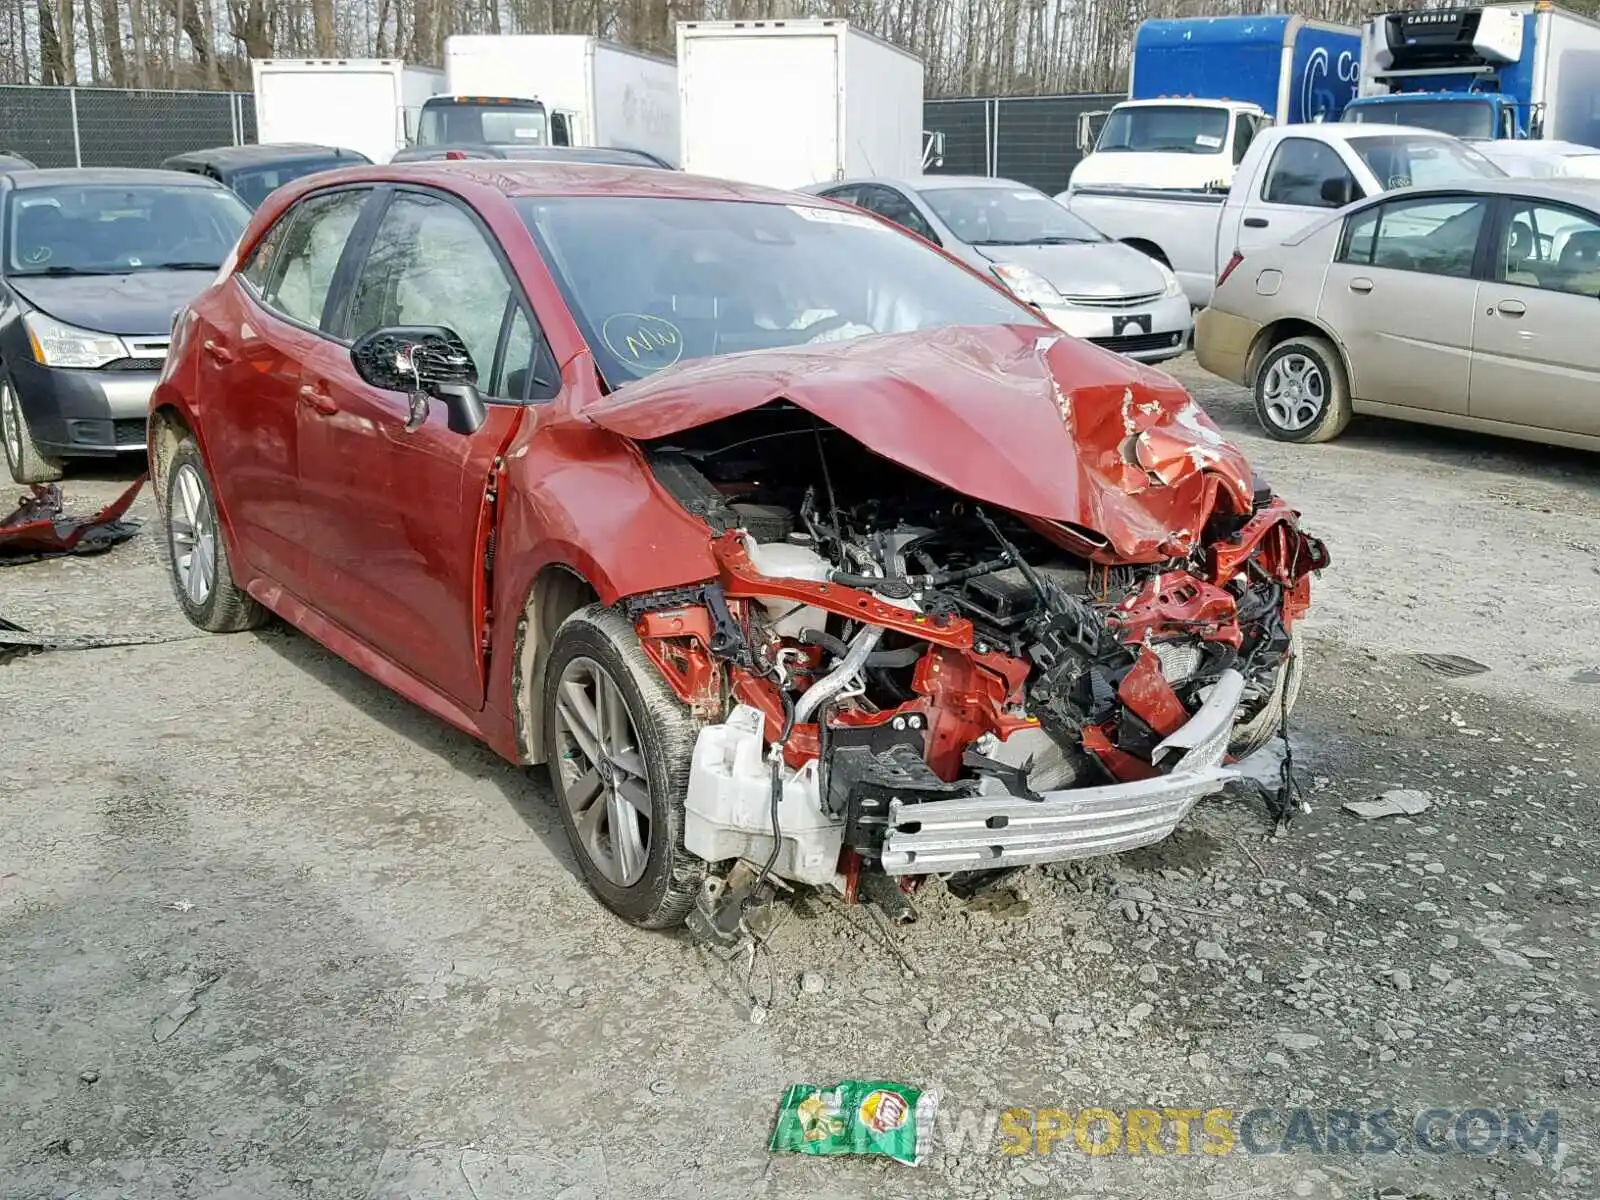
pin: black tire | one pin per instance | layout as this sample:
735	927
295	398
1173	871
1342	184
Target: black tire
224	607
23	457
1320	410
662	894
1263	725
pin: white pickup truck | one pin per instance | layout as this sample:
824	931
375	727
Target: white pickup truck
1290	177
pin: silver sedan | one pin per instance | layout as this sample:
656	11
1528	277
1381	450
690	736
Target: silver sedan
1082	281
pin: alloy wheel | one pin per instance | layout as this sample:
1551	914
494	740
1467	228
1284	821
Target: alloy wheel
1294	392
194	535
605	783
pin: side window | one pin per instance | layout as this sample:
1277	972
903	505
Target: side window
430	264
1244	132
258	270
560	134
893	206
849	194
527	368
1430	235
310	254
1556	249
1308	174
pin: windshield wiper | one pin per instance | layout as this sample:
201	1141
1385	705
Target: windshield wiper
24	271
1058	240
178	266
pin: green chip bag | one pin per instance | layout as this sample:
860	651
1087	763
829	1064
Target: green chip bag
856	1118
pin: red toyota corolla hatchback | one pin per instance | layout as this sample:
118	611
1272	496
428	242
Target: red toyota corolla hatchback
798	550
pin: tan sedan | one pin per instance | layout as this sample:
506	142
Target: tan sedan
1475	306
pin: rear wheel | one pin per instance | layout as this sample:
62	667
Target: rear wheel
23	457
620	743
1302	394
197	555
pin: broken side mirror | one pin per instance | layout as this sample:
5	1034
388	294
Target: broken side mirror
426	362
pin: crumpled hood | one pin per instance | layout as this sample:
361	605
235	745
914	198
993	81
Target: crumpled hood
1017	416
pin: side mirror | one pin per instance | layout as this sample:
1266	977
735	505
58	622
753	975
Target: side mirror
425	362
1336	192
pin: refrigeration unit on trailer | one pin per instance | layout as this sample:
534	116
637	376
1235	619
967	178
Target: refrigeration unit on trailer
365	104
1201	88
1493	72
790	103
553	90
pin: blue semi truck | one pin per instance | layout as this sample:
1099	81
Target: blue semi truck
1201	88
1493	71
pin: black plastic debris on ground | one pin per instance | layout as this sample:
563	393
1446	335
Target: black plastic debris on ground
39	527
1452	666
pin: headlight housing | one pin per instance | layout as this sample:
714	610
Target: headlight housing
56	344
1027	285
1173	286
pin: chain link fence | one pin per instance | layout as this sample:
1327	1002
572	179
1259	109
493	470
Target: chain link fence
1032	139
119	127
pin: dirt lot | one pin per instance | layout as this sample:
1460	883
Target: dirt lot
267	931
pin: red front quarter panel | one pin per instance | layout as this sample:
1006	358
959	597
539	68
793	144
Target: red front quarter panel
582	497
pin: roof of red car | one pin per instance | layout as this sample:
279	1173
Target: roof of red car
584	179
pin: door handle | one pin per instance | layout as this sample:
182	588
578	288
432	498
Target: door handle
1255	222
1361	284
1512	308
315	398
217	352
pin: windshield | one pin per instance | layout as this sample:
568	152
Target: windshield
499	124
997	216
1409	160
655	281
1166	129
1458	118
254	186
103	229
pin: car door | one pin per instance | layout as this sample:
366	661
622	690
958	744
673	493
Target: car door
1304	179
1535	356
1401	294
264	327
396	532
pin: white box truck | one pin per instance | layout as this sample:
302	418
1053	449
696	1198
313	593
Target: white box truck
369	105
553	90
789	103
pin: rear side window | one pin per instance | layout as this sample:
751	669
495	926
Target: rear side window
258	268
1432	235
310	254
1308	174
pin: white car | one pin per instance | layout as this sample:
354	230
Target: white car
1085	283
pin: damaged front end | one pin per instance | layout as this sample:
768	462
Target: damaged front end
902	677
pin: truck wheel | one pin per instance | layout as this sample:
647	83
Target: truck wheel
620	744
1302	394
22	456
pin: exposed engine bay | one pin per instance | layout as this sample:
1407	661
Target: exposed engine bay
897	678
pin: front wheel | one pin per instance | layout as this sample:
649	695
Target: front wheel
26	463
197	556
1302	394
1262	725
620	743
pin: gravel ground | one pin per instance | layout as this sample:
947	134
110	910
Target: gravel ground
266	930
